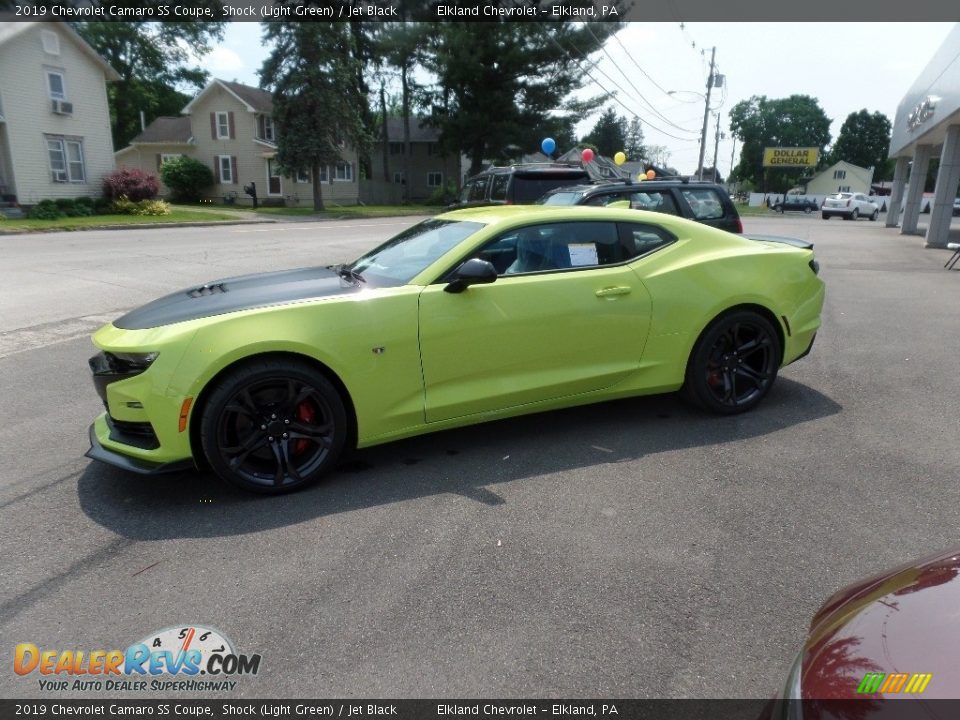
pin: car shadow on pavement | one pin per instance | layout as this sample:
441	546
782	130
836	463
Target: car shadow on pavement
469	462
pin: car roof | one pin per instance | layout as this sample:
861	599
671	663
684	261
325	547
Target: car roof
514	214
630	185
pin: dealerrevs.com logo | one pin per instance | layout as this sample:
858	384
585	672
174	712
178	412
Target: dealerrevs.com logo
186	658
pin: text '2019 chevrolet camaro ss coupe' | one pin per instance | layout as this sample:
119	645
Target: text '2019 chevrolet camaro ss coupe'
469	316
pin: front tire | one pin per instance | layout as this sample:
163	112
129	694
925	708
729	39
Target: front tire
855	214
875	215
825	216
273	426
734	363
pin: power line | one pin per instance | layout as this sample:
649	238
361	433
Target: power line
635	88
612	96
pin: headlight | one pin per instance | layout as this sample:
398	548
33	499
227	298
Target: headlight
121	363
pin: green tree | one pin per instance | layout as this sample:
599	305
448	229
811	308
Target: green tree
795	121
609	135
864	140
152	59
497	82
634	148
317	104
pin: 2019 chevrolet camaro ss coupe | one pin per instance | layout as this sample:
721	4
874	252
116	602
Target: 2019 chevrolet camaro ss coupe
469	316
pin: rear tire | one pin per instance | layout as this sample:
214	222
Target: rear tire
273	426
875	215
855	214
734	363
825	216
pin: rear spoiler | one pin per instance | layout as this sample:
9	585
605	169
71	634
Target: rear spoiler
803	244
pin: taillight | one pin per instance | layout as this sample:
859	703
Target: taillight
739	225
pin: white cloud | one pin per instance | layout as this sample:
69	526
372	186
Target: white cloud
223	60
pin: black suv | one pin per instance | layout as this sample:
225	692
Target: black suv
704	202
517	184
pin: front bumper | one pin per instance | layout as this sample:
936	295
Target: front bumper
142	466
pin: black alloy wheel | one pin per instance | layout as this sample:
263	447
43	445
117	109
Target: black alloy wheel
273	426
734	363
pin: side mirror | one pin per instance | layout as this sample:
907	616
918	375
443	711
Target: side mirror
473	272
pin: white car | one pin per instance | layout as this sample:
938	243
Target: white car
849	206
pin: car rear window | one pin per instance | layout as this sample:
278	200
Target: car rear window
704	202
498	188
527	188
561	198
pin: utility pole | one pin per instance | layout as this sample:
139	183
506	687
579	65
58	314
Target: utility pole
716	147
706	116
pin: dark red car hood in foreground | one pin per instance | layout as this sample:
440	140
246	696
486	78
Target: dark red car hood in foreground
903	621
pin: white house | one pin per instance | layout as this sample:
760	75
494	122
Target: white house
841	177
54	120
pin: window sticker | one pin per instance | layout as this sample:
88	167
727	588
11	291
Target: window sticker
582	254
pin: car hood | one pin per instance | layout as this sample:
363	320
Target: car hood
238	293
906	620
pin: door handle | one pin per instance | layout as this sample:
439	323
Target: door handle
610	291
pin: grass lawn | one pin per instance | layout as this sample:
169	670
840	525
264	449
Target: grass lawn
746	210
352	211
83	223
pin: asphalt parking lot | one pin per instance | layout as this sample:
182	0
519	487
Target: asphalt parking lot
632	549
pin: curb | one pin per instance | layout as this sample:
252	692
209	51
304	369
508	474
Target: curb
136	226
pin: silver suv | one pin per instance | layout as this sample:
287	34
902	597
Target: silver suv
849	206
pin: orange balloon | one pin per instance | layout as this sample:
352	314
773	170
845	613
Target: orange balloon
651	174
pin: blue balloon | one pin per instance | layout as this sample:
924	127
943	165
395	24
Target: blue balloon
548	146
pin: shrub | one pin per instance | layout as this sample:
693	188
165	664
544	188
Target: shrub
443	195
102	206
83	207
125	206
187	178
132	183
46	210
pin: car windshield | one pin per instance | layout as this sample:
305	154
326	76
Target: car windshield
404	256
571	197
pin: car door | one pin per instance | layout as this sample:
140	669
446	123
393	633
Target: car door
572	323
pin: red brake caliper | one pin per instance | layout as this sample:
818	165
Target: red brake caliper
306	414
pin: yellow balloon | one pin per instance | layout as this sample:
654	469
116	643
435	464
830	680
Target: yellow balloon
641	177
651	174
619	158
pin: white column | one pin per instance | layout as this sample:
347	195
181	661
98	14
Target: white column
918	176
948	177
896	194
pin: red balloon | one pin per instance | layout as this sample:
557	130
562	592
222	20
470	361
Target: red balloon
586	154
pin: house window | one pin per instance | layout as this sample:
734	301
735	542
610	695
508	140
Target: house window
265	126
55	85
223	125
839	174
845	188
434	179
303	177
433	149
396	148
343	171
66	160
226	169
50	41
324	173
398	178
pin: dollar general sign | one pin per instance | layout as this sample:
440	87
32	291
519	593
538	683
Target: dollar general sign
790	157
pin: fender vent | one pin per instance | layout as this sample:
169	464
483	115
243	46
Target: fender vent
205	290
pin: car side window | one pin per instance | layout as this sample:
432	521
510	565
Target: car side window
478	190
704	202
555	246
498	187
639	239
654	201
606	198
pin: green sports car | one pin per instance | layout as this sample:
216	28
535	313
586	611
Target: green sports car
469	316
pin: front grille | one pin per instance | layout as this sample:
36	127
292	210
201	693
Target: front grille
137	434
